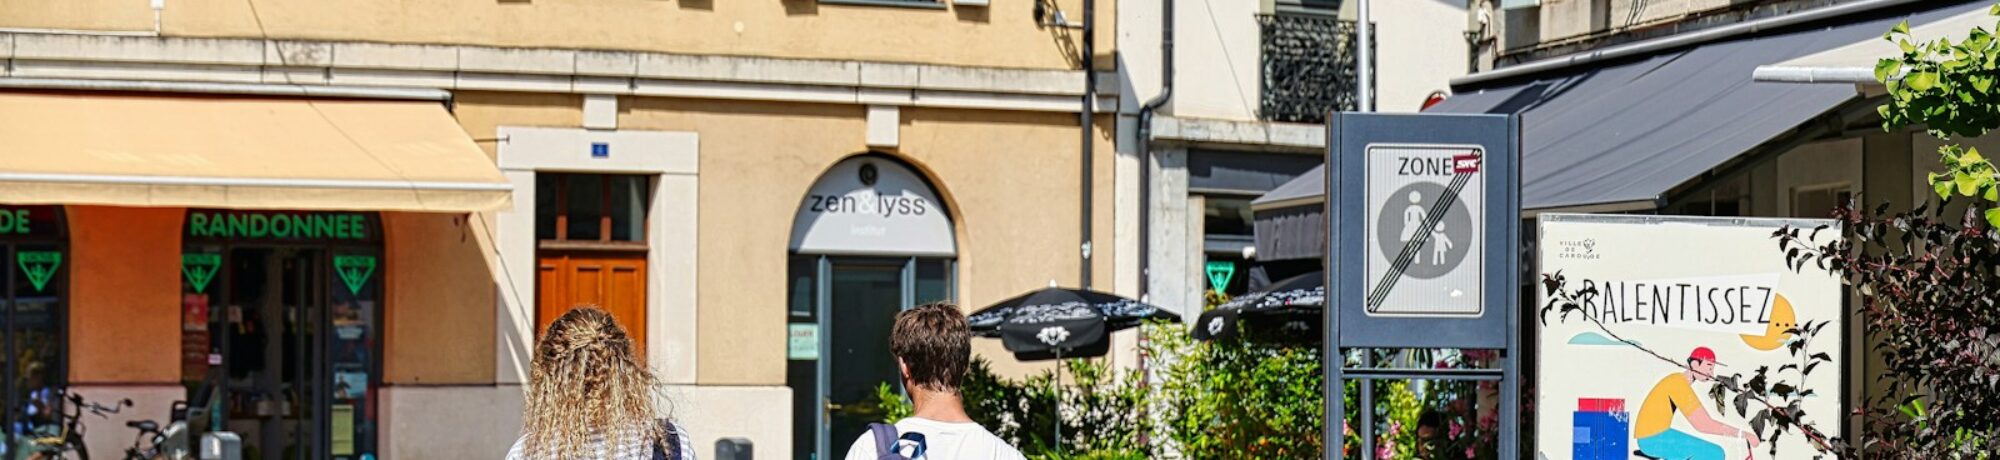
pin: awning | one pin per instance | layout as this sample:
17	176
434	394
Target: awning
1855	62
1619	136
1290	221
241	152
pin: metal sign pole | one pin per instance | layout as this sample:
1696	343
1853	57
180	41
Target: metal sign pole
1334	439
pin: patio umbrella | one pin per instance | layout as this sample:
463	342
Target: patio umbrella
1061	323
1292	305
1056	323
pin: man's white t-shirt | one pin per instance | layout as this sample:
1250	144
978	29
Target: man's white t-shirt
943	441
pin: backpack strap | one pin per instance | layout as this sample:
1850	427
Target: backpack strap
885	440
668	437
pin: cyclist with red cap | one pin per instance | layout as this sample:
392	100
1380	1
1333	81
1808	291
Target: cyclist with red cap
1654	428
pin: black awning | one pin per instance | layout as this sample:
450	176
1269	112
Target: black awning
1631	131
1628	131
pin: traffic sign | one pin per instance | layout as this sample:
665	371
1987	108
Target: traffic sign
1425	231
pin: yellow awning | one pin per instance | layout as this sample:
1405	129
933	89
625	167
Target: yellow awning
241	152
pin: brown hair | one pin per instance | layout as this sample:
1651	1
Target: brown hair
586	387
935	343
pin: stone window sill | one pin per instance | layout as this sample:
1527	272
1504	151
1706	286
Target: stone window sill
918	4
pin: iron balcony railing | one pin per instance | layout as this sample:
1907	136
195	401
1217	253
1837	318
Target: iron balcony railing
1308	66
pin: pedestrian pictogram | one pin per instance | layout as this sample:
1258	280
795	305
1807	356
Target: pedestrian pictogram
1426	234
354	271
40	266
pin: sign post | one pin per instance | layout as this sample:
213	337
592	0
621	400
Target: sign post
1422	252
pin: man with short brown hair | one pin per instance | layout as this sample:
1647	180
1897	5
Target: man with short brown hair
933	348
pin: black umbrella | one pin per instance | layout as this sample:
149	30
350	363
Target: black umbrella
1056	323
1290	306
1061	323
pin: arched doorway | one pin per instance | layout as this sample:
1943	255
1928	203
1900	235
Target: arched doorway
870	238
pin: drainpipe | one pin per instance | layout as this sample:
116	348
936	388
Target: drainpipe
1084	119
1146	113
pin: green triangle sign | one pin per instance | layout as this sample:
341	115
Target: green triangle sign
1219	274
354	271
200	269
40	266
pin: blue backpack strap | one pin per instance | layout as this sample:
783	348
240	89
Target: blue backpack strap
668	447
885	440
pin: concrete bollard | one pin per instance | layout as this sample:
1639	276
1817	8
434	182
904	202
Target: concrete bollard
221	445
732	449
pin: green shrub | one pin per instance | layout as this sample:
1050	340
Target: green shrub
1102	410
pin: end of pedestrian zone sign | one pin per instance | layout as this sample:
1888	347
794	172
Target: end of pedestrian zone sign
1424	229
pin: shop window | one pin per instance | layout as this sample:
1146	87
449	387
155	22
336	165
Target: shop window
1226	215
1819	202
592	210
1227	230
33	317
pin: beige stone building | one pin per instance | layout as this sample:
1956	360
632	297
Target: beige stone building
347	220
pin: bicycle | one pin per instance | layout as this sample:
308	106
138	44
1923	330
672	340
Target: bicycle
154	442
173	441
67	441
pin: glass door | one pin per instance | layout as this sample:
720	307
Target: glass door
841	313
269	350
862	299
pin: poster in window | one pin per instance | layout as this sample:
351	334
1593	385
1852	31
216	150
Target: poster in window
350	386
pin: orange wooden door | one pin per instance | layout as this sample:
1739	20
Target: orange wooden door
615	282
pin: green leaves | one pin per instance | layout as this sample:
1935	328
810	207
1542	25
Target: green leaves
1946	86
1887	69
1921	81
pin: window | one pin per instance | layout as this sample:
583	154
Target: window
1225	215
592	210
928	4
1819	202
1308	6
33	316
1227	229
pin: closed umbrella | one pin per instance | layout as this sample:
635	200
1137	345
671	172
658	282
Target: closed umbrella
1290	306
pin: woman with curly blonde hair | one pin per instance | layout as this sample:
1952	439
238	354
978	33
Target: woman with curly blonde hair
590	397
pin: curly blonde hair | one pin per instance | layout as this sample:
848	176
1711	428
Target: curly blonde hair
588	389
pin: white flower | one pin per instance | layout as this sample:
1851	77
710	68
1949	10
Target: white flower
1053	335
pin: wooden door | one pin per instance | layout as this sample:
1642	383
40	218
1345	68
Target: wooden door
615	282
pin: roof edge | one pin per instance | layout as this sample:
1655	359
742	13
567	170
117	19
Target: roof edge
1814	74
1676	41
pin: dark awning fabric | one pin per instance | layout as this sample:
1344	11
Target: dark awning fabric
1624	132
1308	188
1629	132
1292	232
1251	172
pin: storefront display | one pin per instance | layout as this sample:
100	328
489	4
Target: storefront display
281	311
33	316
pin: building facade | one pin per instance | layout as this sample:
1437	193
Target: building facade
752	189
1239	109
1753	109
